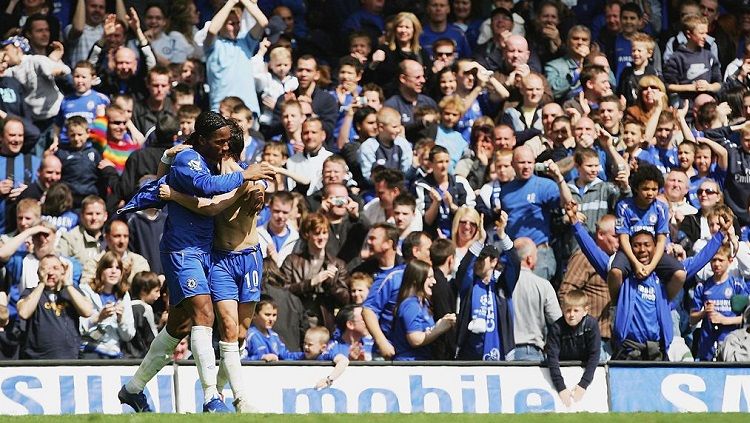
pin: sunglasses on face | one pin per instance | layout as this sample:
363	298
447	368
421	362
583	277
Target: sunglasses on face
707	191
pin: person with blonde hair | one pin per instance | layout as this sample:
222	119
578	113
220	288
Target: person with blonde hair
651	94
401	42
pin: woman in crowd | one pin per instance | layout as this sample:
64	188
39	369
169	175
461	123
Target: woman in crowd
414	329
401	43
652	92
112	321
317	278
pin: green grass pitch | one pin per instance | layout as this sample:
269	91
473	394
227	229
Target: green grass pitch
383	418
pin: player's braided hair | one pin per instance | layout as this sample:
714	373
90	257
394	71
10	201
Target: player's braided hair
206	123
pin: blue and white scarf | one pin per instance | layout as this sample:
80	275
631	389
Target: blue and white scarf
484	309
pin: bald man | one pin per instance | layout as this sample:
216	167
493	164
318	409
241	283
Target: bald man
494	57
127	76
529	200
535	305
582	275
411	82
50	171
676	186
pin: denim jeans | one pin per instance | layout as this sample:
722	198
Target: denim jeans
545	263
527	353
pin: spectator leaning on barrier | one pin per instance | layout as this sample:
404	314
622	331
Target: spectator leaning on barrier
574	336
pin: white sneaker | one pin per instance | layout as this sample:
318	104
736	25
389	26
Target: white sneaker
243	406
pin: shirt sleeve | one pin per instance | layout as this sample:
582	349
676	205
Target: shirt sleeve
622	225
377	298
594	344
698	298
553	357
190	171
662	221
256	348
410	315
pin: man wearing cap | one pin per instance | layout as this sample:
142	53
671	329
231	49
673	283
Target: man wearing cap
37	74
485	325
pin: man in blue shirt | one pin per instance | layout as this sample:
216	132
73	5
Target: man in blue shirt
185	255
437	27
382	263
228	54
528	201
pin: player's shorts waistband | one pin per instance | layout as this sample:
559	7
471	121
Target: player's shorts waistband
238	252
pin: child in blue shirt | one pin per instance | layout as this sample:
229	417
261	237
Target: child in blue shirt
663	155
712	305
262	342
83	168
643	212
84	102
315	348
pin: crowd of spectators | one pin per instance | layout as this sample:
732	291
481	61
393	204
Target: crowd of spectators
504	180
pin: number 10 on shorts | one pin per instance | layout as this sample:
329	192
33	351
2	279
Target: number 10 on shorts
252	281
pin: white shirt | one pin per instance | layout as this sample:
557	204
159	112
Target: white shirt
312	166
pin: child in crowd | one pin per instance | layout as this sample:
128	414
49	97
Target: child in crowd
315	348
632	137
420	162
360	47
686	157
643	212
228	104
359	287
187	116
440	194
83	102
58	208
83	168
663	155
262	342
275	82
253	149
145	290
575	336
389	148
641	51
276	154
706	167
292	118
712	304
693	69
348	92
451	110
